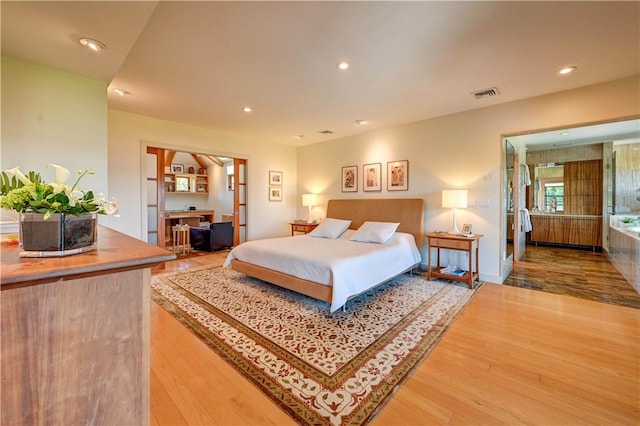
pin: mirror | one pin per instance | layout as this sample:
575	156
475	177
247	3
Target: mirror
509	156
548	189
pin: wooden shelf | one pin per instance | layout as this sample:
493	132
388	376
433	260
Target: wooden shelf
184	183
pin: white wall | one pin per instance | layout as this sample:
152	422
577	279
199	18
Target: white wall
459	150
51	116
129	134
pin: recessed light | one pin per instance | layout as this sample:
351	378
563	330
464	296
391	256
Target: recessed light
299	136
360	122
120	92
564	134
342	65
567	70
246	109
93	45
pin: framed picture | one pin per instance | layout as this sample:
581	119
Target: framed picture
398	175
349	179
275	178
177	168
275	193
466	229
372	177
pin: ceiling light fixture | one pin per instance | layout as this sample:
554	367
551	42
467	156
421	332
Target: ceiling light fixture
93	45
299	136
567	70
120	92
342	65
246	109
564	134
360	122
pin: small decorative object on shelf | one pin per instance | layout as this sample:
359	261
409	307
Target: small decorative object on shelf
55	219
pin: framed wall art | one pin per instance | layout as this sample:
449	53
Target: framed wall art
177	168
398	175
372	177
349	179
275	178
275	193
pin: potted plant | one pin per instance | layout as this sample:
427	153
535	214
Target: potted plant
55	219
630	221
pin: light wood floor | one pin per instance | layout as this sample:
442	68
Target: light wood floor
514	356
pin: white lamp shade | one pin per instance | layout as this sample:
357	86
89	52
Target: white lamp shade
455	198
309	200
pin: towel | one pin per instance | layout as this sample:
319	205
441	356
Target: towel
525	176
526	220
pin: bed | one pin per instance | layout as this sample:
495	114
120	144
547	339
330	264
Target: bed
348	275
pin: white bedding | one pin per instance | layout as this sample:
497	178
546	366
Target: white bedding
350	267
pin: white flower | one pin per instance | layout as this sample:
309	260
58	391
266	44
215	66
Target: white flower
62	174
17	173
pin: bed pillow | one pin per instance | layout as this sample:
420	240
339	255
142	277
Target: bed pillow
375	232
330	228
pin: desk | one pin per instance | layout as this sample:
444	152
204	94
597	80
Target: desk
185	217
303	227
453	242
75	334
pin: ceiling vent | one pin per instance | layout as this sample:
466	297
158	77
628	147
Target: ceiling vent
486	93
325	132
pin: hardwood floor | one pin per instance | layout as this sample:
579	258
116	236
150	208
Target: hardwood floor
514	355
579	273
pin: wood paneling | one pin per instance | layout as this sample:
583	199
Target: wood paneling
583	187
76	352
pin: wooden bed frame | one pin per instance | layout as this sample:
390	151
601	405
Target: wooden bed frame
408	211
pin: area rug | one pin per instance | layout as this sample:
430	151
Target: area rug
321	368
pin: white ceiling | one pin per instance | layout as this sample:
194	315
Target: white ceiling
200	62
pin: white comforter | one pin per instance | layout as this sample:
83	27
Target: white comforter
350	267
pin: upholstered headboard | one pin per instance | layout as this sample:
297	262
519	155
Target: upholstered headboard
408	211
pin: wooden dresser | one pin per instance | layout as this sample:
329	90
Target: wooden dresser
75	334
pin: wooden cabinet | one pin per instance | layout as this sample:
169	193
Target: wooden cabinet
175	183
75	334
567	230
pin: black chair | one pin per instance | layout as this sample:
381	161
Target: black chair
217	236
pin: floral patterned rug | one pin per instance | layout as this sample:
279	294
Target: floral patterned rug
321	368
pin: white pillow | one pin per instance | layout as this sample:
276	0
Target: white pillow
330	228
375	232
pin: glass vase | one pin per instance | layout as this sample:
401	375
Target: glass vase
59	235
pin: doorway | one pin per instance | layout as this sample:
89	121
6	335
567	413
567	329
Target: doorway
204	188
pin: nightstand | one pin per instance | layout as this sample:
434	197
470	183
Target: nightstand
303	227
443	240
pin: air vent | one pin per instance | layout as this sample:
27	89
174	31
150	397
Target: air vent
486	93
325	132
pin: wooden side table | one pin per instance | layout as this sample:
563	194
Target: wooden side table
443	240
303	227
181	239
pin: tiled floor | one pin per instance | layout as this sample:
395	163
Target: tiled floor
575	272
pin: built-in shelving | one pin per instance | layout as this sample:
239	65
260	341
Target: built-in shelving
178	183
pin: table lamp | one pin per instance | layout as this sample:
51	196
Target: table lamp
309	200
454	199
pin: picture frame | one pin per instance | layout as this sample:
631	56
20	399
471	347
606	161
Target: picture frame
349	179
275	193
275	178
177	168
398	175
466	229
372	177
